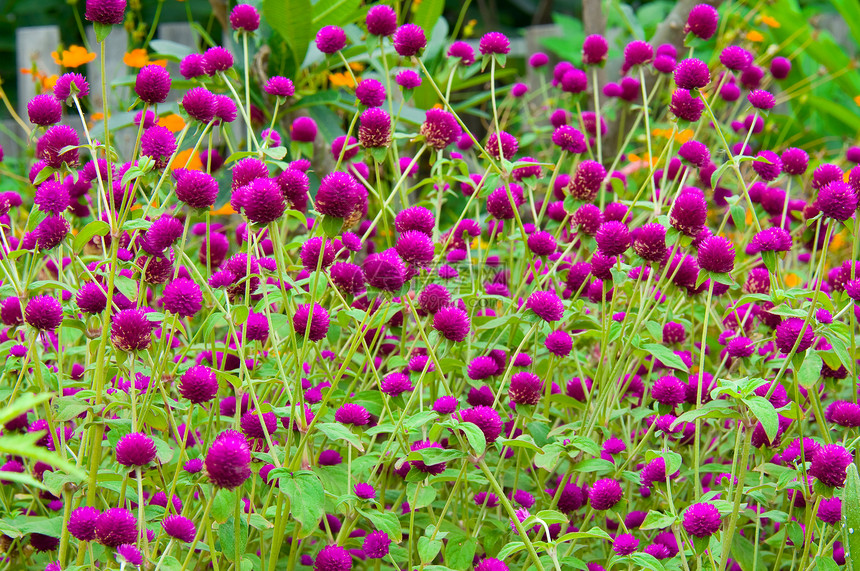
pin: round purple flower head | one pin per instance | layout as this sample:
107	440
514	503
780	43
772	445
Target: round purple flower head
409	40
463	51
183	297
52	197
106	12
91	298
192	66
637	53
158	143
244	18
200	104
538	59
494	43
569	139
130	554
337	195
649	242
689	212
217	59
502	144
433	298
829	465
830	510
131	330
452	323
44	110
788	332
445	405
198	384
376	545
716	254
197	189
152	84
66	83
695	153
440	128
837	200
82	523
116	527
613	238
319	321
353	414
408	79
261	201
370	93
415	248
331	39
625	544
702	21
542	243
692	74
761	99
43	313
381	20
736	58
702	520
280	86
228	460
780	67
604	494
135	449
385	270
669	390
415	218
374	129
525	388
546	305
179	527
686	107
594	50
491	564
333	558
486	419
50	145
303	130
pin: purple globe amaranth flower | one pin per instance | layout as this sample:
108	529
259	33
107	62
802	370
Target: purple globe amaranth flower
664	64
376	545
319	321
542	243
486	419
192	66
546	305
51	232
244	18
228	460
91	298
313	253
771	240
381	20
604	494
780	67
452	323
844	413
330	39
440	128
200	104
43	313
761	99
217	59
385	270
502	144
637	53
11	312
503	201
649	242
198	384
370	93
770	169
135	449
374	129
736	58
261	201
82	523
702	21
52	197
253	427
829	465
106	12
525	388
280	86
183	297
179	527
162	234
303	130
491	564
463	51
408	79
50	145
69	82
353	414
586	181
538	59
433	298
197	189
333	558
594	50
44	110
716	254
837	200
740	348
559	343
396	383
494	43
613	238
625	544
445	405
830	510
569	139
415	248
825	174
686	107
337	195
702	520
695	153
692	74
409	40
689	212
225	109
415	218
152	84
788	332
115	527
669	390
294	185
131	330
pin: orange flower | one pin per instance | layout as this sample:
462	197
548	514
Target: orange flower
684	136
139	58
75	56
226	209
769	21
97	116
857	100
187	157
173	122
755	36
48	82
356	66
341	79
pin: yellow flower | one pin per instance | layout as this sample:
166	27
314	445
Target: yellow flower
341	79
755	36
139	58
469	28
769	21
173	122
75	56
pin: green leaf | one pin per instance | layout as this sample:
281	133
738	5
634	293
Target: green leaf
657	520
552	516
765	413
810	371
307	498
21	405
335	431
666	356
384	521
522	441
230	544
126	286
460	553
292	20
94	228
419	496
69	408
474	436
851	514
821	563
223	505
594	465
102	31
428	13
171	50
744	552
25	445
428	548
332	226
